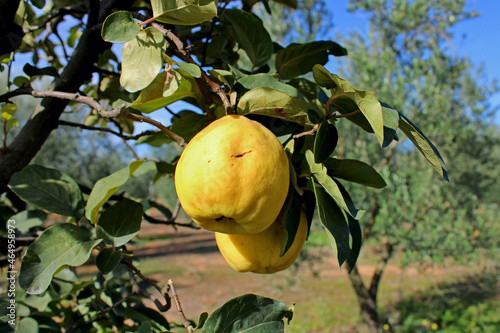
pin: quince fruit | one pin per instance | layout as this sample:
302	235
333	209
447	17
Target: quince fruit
233	176
260	253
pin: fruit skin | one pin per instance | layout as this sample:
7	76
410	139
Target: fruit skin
233	176
260	253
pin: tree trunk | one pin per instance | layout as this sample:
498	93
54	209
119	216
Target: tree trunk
367	304
78	71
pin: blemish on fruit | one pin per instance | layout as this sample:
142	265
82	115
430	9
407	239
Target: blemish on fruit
209	161
219	219
279	111
242	154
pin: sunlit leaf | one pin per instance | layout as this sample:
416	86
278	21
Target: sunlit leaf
119	27
424	145
142	59
347	99
274	103
106	187
59	245
158	95
250	82
184	12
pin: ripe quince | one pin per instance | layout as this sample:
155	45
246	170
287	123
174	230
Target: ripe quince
260	253
233	176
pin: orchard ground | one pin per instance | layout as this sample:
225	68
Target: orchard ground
324	300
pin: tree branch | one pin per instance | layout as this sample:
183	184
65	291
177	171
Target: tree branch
108	130
171	222
204	77
377	275
116	113
185	321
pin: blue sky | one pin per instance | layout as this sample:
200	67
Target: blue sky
478	38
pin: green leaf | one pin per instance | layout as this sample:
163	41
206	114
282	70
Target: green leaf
298	59
106	187
250	34
391	123
189	125
120	222
119	27
202	319
145	327
291	220
334	221
357	236
424	145
347	99
28	219
21	81
325	141
34	71
184	12
193	69
59	245
274	103
11	123
38	3
107	260
154	140
157	95
142	59
248	313
250	82
27	325
48	189
8	110
319	172
354	171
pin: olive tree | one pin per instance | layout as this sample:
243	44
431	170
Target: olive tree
216	56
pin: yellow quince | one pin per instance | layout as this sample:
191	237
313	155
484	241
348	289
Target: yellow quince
260	253
233	176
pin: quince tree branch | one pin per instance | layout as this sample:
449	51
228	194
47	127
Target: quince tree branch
115	113
204	76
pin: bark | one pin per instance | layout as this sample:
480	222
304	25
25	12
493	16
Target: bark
78	71
367	304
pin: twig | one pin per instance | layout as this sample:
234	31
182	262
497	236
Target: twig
214	86
310	132
115	113
107	130
132	151
171	222
344	115
185	321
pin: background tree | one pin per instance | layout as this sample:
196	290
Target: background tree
409	59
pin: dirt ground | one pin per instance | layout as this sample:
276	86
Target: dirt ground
204	281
